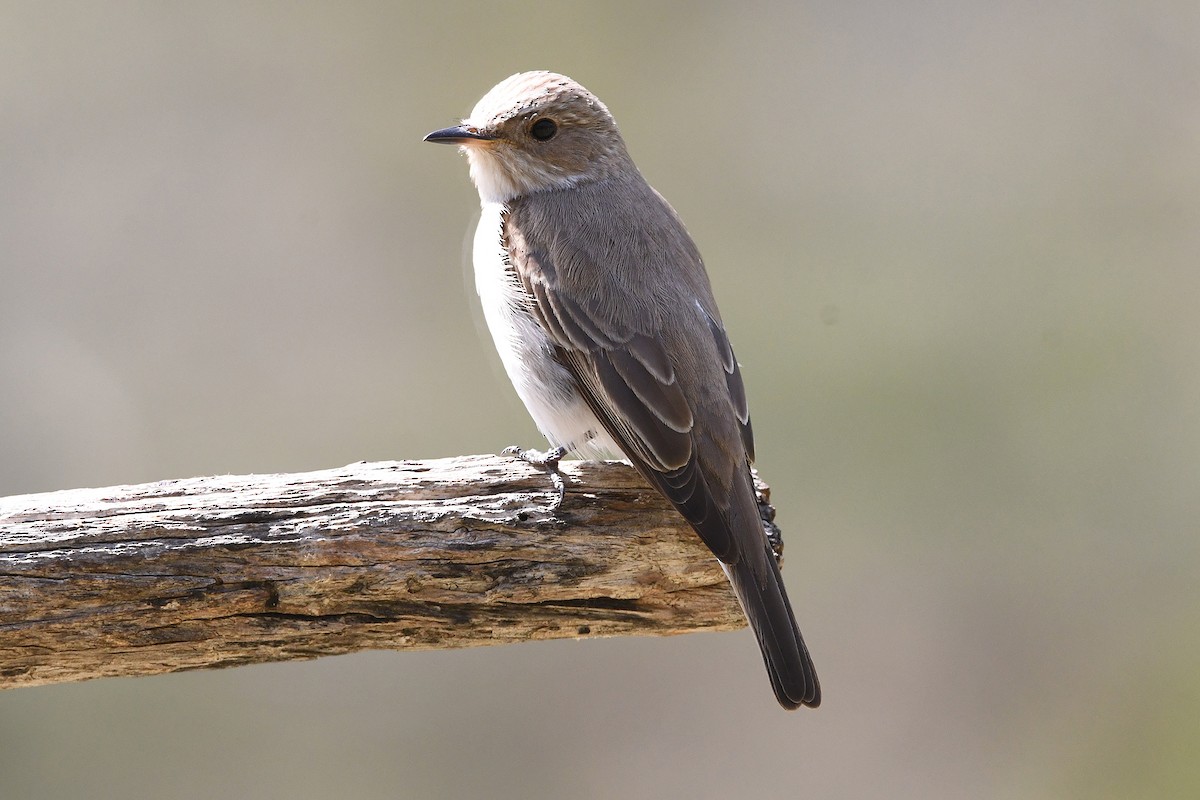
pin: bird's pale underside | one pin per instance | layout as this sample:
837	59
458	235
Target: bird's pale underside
602	313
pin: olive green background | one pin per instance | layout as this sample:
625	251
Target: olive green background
957	245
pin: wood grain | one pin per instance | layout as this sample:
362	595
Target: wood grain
221	571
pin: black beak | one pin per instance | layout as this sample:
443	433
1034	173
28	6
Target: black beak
458	134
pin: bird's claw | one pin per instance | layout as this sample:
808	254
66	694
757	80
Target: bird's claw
775	540
766	513
547	461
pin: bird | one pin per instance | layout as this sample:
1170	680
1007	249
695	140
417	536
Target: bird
604	318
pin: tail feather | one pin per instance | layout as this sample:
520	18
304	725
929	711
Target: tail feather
759	588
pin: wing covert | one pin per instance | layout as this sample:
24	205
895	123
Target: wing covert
626	362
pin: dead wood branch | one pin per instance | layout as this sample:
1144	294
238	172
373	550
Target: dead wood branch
219	571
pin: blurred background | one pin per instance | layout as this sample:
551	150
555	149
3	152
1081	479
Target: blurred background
957	245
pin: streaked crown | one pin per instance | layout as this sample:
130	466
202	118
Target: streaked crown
538	131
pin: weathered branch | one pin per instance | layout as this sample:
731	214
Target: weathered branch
212	572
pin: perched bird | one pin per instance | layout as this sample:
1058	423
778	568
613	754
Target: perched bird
604	318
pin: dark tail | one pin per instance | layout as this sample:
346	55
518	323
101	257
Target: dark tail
734	531
759	588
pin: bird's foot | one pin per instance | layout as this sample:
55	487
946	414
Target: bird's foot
766	513
548	461
775	540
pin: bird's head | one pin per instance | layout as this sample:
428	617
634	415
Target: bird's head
534	132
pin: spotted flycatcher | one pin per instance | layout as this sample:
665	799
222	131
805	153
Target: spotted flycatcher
604	318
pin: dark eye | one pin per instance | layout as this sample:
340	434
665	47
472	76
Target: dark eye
544	129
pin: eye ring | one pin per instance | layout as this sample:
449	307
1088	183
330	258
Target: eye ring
543	129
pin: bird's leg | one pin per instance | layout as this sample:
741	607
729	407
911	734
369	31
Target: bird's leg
548	461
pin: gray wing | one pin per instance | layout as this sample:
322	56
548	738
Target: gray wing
632	318
623	345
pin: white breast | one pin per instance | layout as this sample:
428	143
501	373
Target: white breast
544	386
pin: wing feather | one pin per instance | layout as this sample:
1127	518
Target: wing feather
649	382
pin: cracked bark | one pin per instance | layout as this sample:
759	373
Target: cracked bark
221	571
